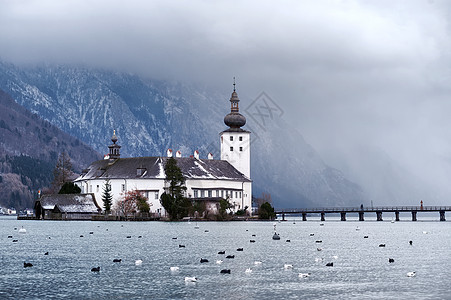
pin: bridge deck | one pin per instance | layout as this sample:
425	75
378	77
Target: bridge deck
365	209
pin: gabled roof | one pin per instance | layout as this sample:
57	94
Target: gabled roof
69	203
153	168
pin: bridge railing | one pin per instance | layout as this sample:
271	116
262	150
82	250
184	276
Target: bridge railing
364	209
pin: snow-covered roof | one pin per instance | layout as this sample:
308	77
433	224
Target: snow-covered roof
70	203
153	168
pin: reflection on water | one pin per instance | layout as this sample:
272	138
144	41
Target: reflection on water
360	267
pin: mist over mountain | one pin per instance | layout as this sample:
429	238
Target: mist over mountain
150	116
29	148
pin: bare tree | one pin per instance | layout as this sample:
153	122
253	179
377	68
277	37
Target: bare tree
265	197
62	172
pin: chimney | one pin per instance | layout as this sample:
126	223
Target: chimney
210	156
196	154
178	153
169	153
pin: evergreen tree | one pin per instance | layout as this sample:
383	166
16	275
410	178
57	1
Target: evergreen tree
107	197
175	179
173	199
266	212
224	205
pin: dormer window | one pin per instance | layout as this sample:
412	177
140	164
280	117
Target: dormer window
140	171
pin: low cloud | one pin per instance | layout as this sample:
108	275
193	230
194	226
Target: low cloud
346	73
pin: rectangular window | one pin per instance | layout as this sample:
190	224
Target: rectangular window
231	148
156	195
196	194
97	188
236	194
90	188
222	193
209	194
241	138
217	193
202	194
231	138
240	194
123	187
241	148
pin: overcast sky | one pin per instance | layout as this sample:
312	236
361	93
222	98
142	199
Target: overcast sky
346	73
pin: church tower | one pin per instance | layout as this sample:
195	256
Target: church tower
114	148
235	141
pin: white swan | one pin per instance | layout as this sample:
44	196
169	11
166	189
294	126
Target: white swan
318	259
335	257
219	261
287	266
411	274
138	262
304	275
174	269
257	262
22	230
190	279
248	270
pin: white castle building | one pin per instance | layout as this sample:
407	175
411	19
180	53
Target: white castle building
207	180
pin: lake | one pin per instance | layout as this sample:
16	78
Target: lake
360	267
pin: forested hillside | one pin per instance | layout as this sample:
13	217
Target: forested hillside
29	148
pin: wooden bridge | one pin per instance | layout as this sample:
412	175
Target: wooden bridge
362	210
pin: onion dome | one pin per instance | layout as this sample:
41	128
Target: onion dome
234	119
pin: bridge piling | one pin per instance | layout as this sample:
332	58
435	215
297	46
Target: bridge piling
304	217
397	216
442	216
343	216
379	216
322	217
361	216
283	217
414	216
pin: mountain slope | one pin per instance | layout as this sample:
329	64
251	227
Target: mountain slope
29	148
151	116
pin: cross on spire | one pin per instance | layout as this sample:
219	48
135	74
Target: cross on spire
234	84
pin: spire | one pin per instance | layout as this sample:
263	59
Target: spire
234	99
114	148
114	137
234	119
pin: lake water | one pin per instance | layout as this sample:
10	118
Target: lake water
361	269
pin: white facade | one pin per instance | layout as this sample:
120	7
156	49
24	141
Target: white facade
239	192
235	148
